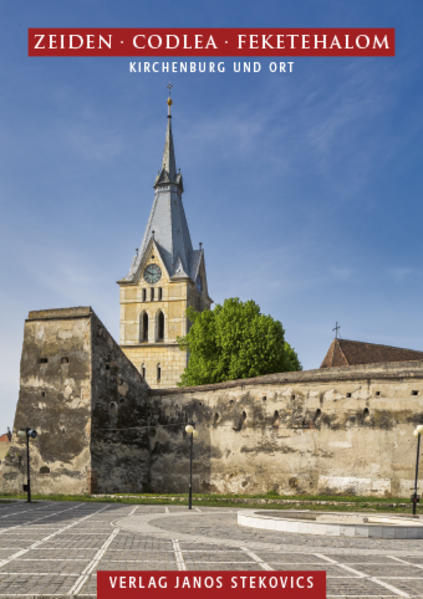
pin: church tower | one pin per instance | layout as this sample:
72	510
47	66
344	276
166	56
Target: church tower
166	276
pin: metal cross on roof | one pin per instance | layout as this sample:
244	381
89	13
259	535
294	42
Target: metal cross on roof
336	329
169	87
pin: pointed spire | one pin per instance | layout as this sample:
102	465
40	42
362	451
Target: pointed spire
167	227
168	173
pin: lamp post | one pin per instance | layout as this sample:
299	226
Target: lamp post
190	430
28	433
415	498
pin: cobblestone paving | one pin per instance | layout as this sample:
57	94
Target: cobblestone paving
54	549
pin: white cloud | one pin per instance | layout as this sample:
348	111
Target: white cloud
94	144
401	273
341	273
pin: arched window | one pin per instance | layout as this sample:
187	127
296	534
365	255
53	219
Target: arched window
144	295
160	294
159	373
160	322
144	326
143	370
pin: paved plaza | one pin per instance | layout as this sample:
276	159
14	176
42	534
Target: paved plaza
55	548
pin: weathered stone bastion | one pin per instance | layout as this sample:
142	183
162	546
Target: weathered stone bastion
76	389
101	428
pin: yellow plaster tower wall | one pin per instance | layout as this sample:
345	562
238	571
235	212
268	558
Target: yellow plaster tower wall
153	355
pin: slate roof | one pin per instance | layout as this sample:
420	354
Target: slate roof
167	224
168	173
344	352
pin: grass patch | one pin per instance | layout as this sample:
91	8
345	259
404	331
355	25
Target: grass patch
339	503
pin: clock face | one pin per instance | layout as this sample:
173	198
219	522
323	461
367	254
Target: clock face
152	273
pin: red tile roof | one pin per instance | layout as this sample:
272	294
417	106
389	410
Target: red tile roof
5	438
343	352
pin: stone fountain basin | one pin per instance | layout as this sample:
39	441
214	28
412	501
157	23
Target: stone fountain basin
348	524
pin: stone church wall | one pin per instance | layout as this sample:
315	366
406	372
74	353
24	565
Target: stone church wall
338	430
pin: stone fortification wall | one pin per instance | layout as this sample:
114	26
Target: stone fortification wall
101	429
120	440
75	385
54	399
338	430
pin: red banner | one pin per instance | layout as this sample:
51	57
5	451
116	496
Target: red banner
211	42
213	584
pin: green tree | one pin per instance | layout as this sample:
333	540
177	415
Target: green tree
233	341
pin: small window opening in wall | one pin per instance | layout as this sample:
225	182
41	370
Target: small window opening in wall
160	294
366	413
216	418
43	393
377	393
349	394
152	293
144	295
64	360
414	392
240	422
264	398
43	360
317	415
143	370
44	470
275	419
159	373
293	396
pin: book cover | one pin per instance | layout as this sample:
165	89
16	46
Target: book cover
194	153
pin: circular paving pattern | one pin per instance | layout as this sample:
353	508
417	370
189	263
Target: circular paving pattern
335	524
54	549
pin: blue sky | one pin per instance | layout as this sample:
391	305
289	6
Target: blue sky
305	188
